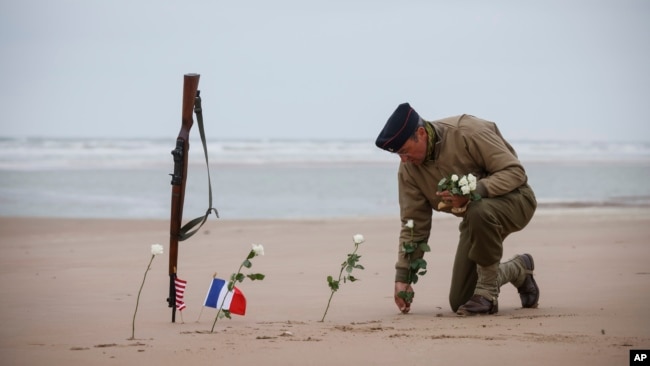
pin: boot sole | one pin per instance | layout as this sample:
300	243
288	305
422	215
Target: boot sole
463	312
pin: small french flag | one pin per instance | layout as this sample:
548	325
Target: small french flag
235	302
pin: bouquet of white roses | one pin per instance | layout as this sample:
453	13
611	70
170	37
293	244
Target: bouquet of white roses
461	186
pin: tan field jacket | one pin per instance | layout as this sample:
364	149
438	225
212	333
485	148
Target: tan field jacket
464	144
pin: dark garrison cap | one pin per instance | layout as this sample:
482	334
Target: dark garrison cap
401	125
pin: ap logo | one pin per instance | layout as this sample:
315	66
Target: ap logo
639	357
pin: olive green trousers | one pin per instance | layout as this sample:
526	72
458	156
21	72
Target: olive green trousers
486	224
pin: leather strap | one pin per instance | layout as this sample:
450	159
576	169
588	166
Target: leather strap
191	227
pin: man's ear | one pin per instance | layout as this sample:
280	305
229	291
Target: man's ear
422	132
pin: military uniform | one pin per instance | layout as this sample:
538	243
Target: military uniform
461	145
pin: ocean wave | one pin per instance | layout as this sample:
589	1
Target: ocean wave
289	190
76	153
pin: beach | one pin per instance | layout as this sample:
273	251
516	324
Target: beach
70	288
286	115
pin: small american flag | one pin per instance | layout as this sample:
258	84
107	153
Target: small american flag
180	293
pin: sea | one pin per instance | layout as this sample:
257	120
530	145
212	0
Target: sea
280	179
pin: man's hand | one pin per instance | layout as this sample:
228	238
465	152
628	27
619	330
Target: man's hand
403	306
452	200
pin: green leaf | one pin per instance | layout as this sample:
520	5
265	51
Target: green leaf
423	246
352	278
247	263
418	264
442	185
240	277
353	259
423	272
255	276
406	295
422	264
408	248
349	269
251	254
359	266
334	285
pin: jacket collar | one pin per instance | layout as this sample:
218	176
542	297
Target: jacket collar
433	145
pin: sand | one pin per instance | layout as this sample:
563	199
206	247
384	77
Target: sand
70	288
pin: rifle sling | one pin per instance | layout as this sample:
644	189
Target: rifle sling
189	228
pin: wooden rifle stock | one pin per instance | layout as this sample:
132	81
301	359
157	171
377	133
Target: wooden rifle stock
179	176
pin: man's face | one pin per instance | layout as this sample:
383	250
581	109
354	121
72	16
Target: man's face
414	149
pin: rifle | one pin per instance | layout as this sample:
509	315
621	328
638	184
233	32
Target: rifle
180	153
191	98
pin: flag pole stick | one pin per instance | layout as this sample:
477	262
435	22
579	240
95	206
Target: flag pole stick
201	312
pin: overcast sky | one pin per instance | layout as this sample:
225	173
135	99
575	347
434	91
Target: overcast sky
552	69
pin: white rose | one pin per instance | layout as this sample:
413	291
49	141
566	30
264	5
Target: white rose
358	239
409	224
472	185
258	249
471	178
464	189
463	181
156	249
454	178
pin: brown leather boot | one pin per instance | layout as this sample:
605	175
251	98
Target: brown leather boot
528	290
484	300
478	305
